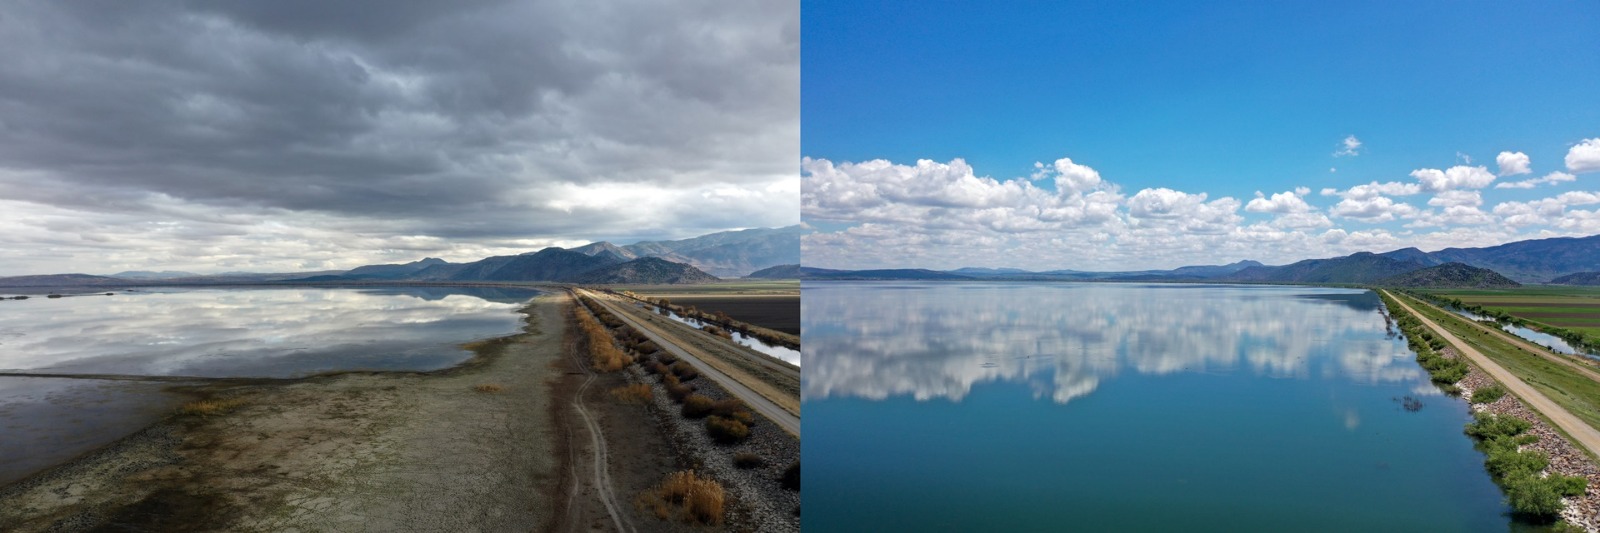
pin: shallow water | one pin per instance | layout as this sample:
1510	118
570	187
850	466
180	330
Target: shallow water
275	332
1116	407
787	354
210	333
1554	343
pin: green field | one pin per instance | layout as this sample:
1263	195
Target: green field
1572	391
1572	308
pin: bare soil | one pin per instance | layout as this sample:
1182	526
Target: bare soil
781	313
361	451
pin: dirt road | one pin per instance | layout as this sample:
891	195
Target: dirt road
1583	434
782	414
599	452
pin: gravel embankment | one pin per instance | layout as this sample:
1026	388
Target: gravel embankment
1565	458
759	502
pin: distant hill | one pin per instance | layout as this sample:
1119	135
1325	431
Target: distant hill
886	274
60	280
324	278
729	253
645	270
777	272
602	247
393	271
1533	261
549	264
146	274
1207	271
1581	278
980	271
1363	267
1450	276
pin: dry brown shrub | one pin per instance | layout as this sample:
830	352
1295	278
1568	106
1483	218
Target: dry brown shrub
489	388
210	407
635	393
687	497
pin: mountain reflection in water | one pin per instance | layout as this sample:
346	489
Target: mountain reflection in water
937	340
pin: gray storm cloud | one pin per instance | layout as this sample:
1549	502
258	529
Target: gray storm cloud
185	133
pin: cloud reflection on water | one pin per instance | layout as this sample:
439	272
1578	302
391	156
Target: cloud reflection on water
929	341
250	332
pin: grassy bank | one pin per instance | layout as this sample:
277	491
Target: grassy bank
1563	385
1571	313
1444	371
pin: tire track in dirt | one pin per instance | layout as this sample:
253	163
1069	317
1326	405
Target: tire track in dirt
602	475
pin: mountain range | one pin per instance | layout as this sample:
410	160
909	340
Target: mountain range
1531	261
694	260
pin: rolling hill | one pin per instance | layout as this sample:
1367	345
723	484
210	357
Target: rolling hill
777	272
1363	267
393	271
727	253
60	280
1581	278
645	270
1449	276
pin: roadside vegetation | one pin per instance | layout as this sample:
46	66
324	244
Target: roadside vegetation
1563	384
596	340
1530	491
1444	371
1571	313
718	322
688	497
1488	394
613	345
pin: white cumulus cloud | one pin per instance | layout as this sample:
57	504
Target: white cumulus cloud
1584	156
1513	163
1551	178
1350	146
1456	177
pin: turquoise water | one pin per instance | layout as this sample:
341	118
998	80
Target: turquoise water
1123	407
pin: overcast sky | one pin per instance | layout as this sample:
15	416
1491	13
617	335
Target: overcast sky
1126	136
307	135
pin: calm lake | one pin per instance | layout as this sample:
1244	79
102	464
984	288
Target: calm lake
287	332
1118	407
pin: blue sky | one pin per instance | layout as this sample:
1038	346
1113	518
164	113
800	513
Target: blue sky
1201	98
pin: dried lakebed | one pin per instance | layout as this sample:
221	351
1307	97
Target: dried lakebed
146	341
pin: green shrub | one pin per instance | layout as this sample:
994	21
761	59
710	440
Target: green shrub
1529	495
726	430
1569	486
1488	394
1488	426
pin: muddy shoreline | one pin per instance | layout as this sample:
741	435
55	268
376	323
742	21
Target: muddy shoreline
345	451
